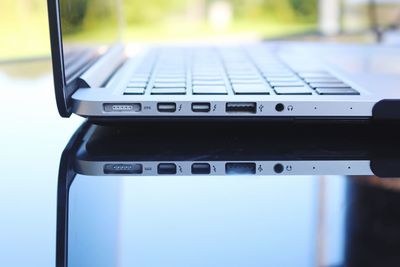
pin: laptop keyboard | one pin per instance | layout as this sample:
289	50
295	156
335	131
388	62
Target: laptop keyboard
208	71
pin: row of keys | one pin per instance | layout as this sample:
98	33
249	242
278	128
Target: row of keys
325	84
170	73
242	74
140	78
285	81
246	75
278	76
207	73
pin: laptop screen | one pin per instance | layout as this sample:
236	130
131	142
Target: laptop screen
88	27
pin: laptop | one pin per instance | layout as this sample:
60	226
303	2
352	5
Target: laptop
98	77
141	151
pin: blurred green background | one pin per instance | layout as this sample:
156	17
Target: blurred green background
24	26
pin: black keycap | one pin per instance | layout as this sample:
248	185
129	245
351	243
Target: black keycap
286	84
302	90
329	85
322	80
336	91
250	89
314	74
134	91
169	91
209	90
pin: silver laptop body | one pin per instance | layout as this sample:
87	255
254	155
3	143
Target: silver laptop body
279	80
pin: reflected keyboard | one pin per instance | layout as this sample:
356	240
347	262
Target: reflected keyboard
214	71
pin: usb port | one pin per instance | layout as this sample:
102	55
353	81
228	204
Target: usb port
166	107
241	107
166	168
240	168
201	107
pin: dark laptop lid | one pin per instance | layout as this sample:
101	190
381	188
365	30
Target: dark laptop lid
80	32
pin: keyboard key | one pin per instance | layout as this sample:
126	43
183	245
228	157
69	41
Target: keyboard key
139	79
136	84
168	91
301	90
238	69
179	75
134	91
171	76
169	85
314	74
169	80
322	80
209	89
207	78
277	73
329	85
277	76
336	91
210	82
250	89
243	76
286	84
250	81
283	79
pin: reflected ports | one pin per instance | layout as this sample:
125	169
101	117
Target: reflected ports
201	168
123	168
240	168
166	168
278	168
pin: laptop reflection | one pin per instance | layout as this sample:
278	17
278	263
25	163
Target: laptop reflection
210	203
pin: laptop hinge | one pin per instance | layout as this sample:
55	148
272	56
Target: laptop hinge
99	73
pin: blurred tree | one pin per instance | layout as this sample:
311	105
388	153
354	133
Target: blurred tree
73	13
305	8
152	11
278	10
83	15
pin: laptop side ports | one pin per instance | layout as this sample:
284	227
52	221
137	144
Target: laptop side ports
123	168
122	107
201	107
166	168
166	107
241	107
240	168
201	168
